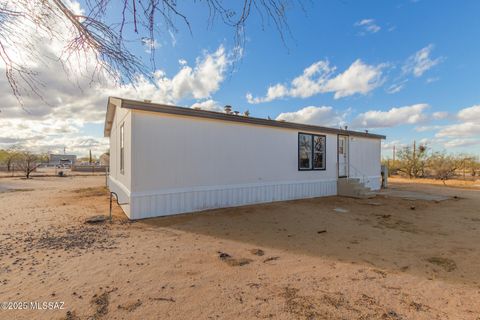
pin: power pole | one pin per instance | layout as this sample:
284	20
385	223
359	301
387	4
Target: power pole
414	150
414	159
90	156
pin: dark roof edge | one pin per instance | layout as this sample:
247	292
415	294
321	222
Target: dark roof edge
163	108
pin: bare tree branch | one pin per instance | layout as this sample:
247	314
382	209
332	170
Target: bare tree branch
90	37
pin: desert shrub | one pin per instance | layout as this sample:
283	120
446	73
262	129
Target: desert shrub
412	161
443	166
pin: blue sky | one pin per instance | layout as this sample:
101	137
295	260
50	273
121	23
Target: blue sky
406	69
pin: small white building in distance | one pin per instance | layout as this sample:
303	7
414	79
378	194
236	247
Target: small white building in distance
61	159
167	160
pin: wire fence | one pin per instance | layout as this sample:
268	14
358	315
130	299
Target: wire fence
45	171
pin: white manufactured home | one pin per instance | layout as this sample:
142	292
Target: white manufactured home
166	160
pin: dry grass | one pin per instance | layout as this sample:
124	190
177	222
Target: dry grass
452	183
92	191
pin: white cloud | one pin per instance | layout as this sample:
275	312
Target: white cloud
322	116
359	78
150	44
198	82
432	80
455	143
173	38
389	144
209	105
470	114
427	128
466	129
274	92
396	87
439	115
75	7
368	26
464	133
394	117
420	62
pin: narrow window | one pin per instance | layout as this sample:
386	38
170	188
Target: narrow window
311	152
319	152
122	150
304	151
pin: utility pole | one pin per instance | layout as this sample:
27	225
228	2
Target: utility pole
394	152
414	150
414	159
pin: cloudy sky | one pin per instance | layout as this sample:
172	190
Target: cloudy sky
406	69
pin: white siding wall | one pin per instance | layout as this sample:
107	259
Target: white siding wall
183	164
365	160
118	182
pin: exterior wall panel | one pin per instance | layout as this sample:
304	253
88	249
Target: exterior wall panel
119	182
173	152
364	161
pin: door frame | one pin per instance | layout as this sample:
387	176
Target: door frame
348	155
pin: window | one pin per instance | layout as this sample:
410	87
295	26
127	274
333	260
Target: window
304	151
319	152
311	152
122	150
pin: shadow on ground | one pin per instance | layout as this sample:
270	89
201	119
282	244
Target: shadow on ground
428	238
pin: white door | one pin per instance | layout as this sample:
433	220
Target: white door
342	156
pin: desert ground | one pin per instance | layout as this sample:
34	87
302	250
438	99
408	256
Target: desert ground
390	257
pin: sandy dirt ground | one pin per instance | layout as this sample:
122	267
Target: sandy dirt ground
324	258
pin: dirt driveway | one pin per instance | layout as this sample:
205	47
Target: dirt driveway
324	258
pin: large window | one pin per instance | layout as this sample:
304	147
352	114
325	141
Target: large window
122	150
311	152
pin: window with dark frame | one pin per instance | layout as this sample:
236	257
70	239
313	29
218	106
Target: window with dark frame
311	152
122	152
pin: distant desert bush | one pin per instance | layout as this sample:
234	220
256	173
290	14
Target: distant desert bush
421	162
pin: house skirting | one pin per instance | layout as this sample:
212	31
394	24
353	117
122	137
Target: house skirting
123	194
174	201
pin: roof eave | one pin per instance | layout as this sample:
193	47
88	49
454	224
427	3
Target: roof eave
163	108
110	115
